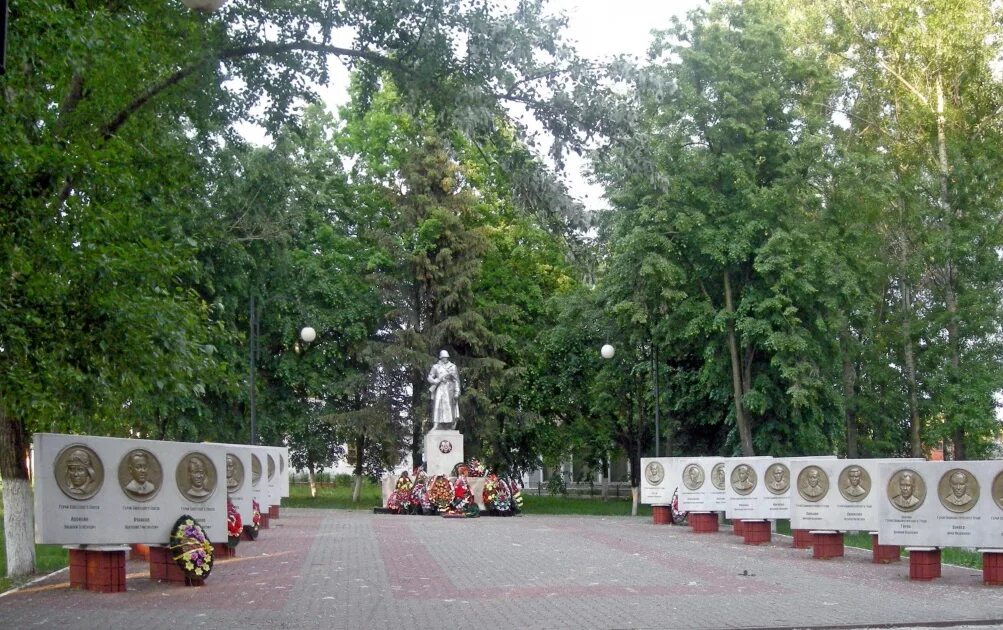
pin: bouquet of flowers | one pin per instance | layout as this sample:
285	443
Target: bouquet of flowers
255	526
496	494
440	492
191	549
233	525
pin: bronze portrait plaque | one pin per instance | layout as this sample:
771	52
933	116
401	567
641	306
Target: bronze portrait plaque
778	479
693	476
854	483
997	490
234	473
140	475
654	472
717	475
958	490
906	490
255	470
271	467
79	472
743	479
813	483
196	477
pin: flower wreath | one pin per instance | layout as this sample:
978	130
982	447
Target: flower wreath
475	468
252	529
400	499
440	492
497	495
191	549
516	494
463	499
419	493
234	525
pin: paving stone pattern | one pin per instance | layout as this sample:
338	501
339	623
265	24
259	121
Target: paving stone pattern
338	569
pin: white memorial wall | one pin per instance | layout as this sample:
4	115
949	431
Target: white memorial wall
701	482
745	490
98	490
941	504
658	476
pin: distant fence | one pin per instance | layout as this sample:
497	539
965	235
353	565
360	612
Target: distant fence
614	489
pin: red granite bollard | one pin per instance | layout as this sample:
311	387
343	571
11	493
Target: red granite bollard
165	569
99	568
264	521
139	552
756	532
78	568
924	563
884	554
738	527
703	522
661	514
802	539
992	567
273	511
827	544
223	550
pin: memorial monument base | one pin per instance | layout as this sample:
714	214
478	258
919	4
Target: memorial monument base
273	511
661	514
264	521
738	527
992	567
884	554
703	522
802	539
756	532
139	552
98	568
443	451
924	563
164	569
826	544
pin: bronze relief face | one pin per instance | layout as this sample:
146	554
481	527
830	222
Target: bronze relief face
813	483
234	473
778	479
743	479
271	467
654	472
854	483
255	470
693	476
79	472
958	490
140	475
196	477
906	490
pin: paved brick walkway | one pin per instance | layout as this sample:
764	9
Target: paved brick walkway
336	569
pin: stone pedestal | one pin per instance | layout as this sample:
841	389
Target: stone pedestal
273	511
884	554
802	539
165	569
992	566
223	550
98	568
443	451
264	521
661	514
924	563
703	522
738	527
756	532
139	552
826	544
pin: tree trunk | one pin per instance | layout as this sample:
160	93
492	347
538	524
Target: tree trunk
18	506
950	297
360	445
357	489
915	445
312	479
741	419
849	396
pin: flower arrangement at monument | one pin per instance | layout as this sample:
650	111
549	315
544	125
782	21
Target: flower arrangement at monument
234	525
496	495
475	468
419	493
400	500
191	549
440	492
463	503
516	494
255	525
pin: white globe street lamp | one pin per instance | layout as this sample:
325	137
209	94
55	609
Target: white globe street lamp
607	351
308	334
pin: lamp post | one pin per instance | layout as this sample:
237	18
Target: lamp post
654	376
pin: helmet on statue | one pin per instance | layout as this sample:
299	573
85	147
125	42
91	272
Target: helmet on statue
443	354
